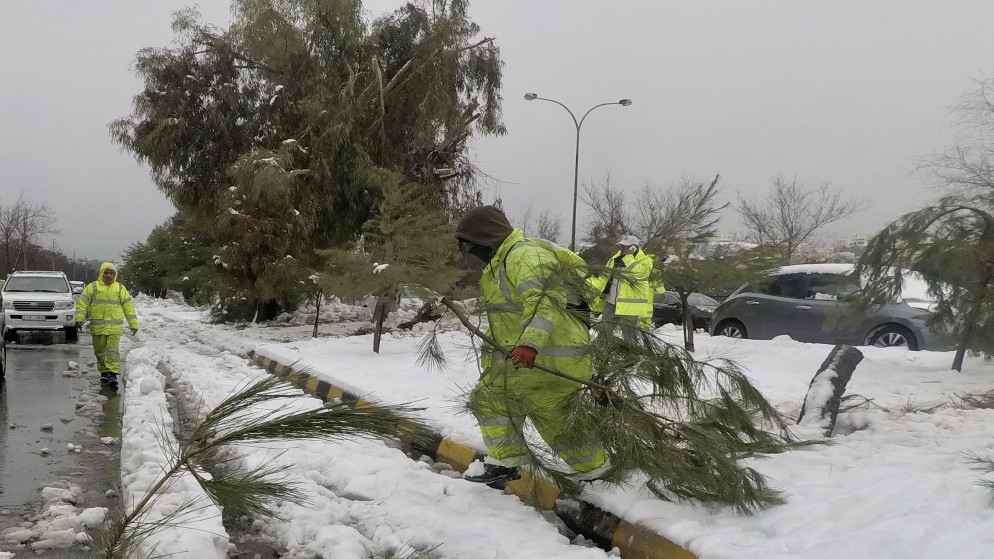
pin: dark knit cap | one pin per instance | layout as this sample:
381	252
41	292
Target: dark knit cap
484	225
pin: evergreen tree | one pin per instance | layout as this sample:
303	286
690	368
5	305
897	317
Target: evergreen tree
685	274
951	246
406	249
279	129
684	424
176	257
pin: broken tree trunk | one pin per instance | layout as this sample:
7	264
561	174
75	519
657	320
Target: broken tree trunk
821	403
317	313
386	303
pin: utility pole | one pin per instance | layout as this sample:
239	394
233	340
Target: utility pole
74	265
53	255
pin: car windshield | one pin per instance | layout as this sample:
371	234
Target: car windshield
36	284
700	300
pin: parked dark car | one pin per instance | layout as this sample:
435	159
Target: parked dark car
798	300
667	309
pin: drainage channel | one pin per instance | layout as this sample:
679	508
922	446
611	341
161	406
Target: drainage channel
244	542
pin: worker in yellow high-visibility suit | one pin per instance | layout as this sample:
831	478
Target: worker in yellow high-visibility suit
526	307
107	303
625	290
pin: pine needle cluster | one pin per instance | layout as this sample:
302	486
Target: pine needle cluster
949	245
239	421
684	424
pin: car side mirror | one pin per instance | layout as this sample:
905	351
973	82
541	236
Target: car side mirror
77	290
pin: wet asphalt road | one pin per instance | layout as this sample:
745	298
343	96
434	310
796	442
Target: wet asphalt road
38	409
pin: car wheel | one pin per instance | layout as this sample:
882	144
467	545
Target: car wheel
72	335
891	335
3	360
731	329
9	336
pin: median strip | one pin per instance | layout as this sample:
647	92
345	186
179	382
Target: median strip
634	541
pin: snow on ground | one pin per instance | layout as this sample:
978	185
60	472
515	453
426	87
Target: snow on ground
365	498
895	484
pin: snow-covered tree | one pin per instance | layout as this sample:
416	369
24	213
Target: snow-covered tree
278	129
408	248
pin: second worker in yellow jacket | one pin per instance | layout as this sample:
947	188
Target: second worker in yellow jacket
625	289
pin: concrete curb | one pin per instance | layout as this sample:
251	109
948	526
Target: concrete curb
635	541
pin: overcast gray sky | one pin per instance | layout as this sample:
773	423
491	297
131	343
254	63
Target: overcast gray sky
849	93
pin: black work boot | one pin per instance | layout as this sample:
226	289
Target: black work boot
495	476
105	377
112	381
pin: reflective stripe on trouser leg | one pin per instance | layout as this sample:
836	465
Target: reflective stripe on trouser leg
549	395
99	343
584	458
501	432
106	350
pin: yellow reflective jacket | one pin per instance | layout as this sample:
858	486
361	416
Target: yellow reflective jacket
635	293
106	305
525	297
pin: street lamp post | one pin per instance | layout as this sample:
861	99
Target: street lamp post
576	161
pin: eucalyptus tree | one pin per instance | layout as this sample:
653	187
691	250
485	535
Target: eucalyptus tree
282	131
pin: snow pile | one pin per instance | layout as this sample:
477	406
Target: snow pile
59	524
147	428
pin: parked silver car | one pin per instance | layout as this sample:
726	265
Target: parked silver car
798	301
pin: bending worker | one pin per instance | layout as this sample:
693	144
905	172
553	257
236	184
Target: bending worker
107	303
525	299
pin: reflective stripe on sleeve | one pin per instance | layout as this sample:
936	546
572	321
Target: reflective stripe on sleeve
541	323
564	351
509	306
530	284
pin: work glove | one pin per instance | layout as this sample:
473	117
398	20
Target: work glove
523	356
134	331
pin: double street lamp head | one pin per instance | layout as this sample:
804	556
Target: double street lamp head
576	159
534	96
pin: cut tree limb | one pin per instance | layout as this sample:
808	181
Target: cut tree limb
821	403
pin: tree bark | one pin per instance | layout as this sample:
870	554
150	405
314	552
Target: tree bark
688	322
317	313
821	403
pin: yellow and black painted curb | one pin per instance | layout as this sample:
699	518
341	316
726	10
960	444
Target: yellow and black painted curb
607	530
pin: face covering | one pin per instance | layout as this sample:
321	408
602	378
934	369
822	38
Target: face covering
482	253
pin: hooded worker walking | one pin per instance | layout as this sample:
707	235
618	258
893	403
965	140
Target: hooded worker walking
107	303
525	299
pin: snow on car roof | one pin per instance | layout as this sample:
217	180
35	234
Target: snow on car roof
915	287
815	269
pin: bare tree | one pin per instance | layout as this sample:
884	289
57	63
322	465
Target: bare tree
790	214
549	226
610	217
21	225
686	213
967	168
